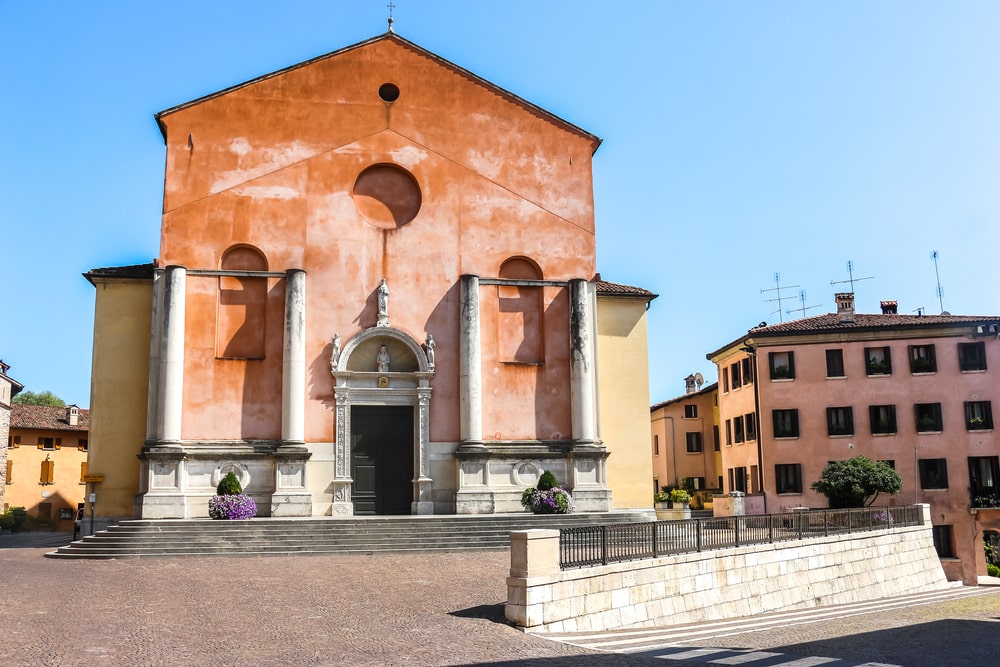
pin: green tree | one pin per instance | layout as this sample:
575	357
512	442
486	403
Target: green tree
857	482
39	398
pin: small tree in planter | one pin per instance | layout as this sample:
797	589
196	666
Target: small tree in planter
547	497
230	501
680	497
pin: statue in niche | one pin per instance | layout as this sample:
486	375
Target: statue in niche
429	351
335	352
382	360
383	304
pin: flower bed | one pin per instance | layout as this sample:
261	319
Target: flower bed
236	507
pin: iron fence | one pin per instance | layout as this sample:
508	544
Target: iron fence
600	545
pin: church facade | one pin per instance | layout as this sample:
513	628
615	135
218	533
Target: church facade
376	294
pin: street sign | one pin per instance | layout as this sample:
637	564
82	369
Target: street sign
93	479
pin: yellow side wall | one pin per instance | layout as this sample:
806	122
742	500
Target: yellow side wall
623	385
119	380
65	491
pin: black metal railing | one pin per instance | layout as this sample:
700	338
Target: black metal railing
600	545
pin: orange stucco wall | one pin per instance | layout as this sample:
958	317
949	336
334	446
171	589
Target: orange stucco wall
273	164
65	491
669	428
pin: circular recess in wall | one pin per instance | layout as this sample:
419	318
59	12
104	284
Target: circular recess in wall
387	196
525	473
389	92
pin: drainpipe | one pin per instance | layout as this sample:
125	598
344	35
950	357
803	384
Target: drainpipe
752	353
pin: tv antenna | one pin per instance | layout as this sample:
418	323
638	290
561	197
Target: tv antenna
802	305
777	288
851	279
940	292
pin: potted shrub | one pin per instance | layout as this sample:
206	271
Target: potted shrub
680	497
546	497
230	502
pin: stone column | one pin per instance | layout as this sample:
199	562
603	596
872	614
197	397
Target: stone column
582	369
470	365
290	497
293	386
171	393
155	338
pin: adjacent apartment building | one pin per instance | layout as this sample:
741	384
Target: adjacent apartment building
46	461
914	390
686	439
9	387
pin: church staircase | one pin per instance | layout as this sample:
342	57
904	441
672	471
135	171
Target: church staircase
299	537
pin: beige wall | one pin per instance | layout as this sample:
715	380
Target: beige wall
623	385
122	320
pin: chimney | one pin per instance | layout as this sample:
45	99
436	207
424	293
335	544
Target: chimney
889	307
689	384
72	415
845	307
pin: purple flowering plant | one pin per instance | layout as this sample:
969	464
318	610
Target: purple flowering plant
237	507
547	498
230	501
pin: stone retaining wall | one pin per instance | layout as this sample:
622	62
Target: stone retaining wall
713	585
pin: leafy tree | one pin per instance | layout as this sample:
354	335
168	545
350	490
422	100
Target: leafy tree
857	482
39	398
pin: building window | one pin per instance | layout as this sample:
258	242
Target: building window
928	416
48	472
922	359
788	478
883	419
782	365
889	462
933	473
738	429
715	436
978	415
840	421
82	444
984	473
739	479
15	441
735	376
878	361
942	541
786	423
729	433
693	442
656	445
972	356
725	380
835	364
746	371
750	423
48	444
696	482
690	411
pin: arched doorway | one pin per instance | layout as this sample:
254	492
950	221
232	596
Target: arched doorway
382	391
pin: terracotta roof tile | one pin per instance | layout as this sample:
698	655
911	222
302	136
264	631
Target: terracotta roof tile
130	271
48	418
617	289
830	322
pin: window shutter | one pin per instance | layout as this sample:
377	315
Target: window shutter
41	442
58	443
17	441
10	471
83	471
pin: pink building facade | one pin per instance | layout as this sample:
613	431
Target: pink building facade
915	391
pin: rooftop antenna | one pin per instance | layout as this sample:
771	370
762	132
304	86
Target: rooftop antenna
940	292
802	305
777	288
391	7
851	279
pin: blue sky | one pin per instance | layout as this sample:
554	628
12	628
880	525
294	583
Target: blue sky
740	140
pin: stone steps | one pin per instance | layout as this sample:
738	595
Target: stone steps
266	536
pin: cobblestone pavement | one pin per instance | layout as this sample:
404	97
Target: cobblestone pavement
382	609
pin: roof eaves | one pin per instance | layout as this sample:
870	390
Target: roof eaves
594	139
